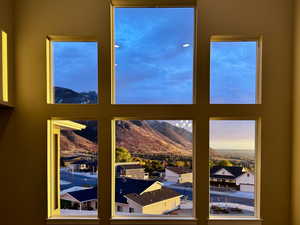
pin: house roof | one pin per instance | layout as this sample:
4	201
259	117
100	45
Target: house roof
85	195
83	161
119	168
180	170
234	170
80	161
132	166
72	189
151	197
126	186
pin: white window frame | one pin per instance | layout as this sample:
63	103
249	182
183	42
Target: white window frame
5	82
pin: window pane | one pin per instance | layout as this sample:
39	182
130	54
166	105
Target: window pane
4	66
76	156
153	162
154	55
232	168
75	72
233	72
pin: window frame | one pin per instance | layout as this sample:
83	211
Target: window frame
49	63
245	38
5	79
200	112
257	181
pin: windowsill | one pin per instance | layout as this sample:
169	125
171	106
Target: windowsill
5	104
234	221
152	218
72	220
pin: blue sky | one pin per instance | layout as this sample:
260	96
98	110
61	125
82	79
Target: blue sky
75	65
154	64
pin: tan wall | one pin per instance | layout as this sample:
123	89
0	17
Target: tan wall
7	128
162	206
295	195
23	132
187	177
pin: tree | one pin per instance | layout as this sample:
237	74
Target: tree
123	155
211	164
224	163
180	163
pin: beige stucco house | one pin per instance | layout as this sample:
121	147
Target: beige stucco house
179	175
144	197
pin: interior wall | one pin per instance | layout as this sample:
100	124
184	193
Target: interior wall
23	141
295	193
7	148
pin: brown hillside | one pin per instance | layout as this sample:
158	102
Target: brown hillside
145	137
72	144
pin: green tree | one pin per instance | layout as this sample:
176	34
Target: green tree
224	163
123	155
180	163
211	163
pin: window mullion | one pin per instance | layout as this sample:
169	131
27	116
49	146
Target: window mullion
201	154
105	159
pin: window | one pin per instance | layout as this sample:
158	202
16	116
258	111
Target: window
232	158
73	77
234	71
153	58
4	68
154	167
159	130
74	151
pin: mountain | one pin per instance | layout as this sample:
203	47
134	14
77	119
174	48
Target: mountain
72	144
138	136
65	95
153	137
147	137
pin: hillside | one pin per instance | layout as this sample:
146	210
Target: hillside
138	136
65	95
72	144
153	137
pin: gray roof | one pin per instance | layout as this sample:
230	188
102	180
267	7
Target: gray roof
126	186
236	171
151	197
131	166
180	170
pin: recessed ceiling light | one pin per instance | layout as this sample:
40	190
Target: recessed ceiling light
186	45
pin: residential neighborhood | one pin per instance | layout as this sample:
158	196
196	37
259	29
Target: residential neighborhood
148	184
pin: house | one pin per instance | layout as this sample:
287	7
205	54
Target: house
24	109
232	177
82	165
132	170
144	197
78	165
246	182
84	199
179	175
